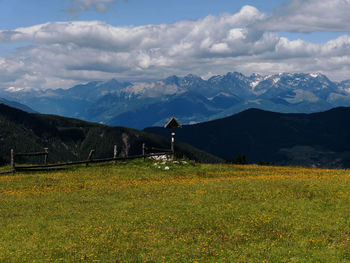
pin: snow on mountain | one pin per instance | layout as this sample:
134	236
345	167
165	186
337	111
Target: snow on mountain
315	75
222	94
14	89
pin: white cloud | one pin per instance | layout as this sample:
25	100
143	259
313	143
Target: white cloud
61	54
310	16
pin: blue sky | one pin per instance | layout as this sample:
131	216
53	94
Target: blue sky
19	13
58	43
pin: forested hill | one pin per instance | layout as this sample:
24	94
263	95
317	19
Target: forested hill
318	139
72	139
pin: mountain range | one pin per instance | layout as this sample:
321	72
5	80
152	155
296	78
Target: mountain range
316	139
190	98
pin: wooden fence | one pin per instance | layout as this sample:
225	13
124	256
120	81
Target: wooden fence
152	151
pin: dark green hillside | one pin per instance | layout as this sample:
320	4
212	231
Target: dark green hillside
72	139
319	139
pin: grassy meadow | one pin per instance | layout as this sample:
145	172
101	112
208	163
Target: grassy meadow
145	212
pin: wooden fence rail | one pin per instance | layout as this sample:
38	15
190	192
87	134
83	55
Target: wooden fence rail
21	168
6	172
45	153
89	160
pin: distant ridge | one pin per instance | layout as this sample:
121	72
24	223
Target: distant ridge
317	139
17	105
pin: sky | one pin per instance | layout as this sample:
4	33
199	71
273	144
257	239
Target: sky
60	43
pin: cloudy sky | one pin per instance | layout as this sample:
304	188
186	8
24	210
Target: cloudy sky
58	43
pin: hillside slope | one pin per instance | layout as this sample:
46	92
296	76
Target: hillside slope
318	139
17	105
72	139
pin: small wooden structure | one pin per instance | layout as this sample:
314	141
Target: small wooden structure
172	124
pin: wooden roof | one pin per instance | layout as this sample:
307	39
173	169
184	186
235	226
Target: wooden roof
172	124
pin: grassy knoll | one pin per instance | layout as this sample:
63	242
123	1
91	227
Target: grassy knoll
137	212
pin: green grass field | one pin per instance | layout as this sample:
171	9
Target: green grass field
137	212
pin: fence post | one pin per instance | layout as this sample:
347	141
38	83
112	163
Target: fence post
89	157
13	169
172	143
115	153
144	151
46	150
